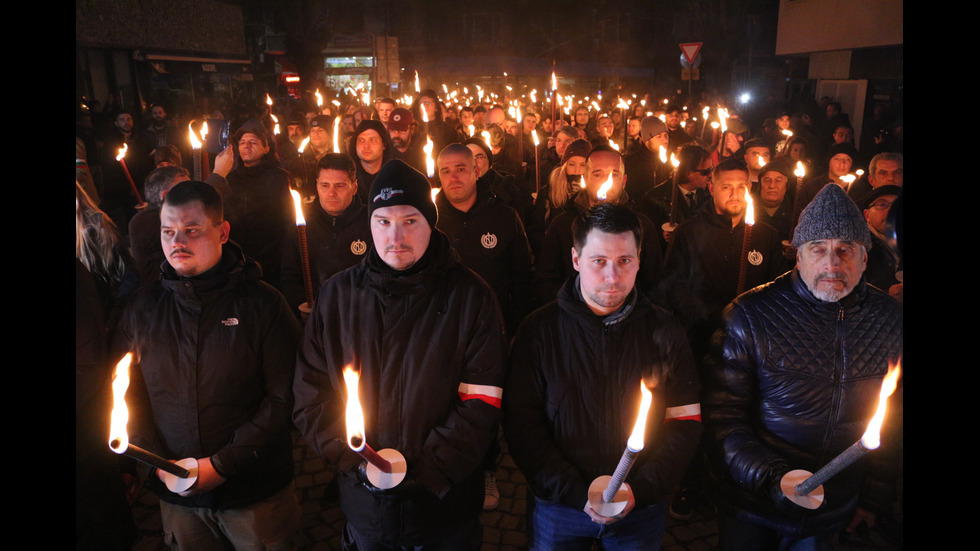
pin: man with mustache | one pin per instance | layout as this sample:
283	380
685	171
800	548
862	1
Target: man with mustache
795	382
574	394
426	335
705	256
215	349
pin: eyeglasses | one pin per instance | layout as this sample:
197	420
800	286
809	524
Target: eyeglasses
480	157
880	205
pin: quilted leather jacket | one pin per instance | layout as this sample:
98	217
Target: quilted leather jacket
794	384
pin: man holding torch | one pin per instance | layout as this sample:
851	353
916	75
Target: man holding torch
216	349
426	336
573	394
795	383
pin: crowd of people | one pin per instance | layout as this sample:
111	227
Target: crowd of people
485	267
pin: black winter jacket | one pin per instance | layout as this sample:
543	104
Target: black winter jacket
796	383
573	393
429	346
216	358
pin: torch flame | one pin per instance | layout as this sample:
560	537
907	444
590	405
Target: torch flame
800	169
635	442
434	192
749	209
581	181
849	178
430	164
204	130
319	98
417	87
871	438
613	145
534	136
788	133
268	100
604	189
122	152
118	437
554	81
663	154
355	417
674	161
195	143
298	204
486	137
302	145
472	129
336	134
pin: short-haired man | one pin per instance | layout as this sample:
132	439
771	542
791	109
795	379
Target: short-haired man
796	382
885	169
337	231
573	393
259	206
384	107
304	170
757	155
144	228
426	335
707	253
554	265
644	166
677	137
215	351
487	234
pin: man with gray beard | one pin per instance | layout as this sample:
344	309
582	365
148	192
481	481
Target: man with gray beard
795	384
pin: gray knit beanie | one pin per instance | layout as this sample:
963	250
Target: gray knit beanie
651	126
399	184
832	215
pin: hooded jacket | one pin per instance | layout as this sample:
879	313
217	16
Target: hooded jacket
364	180
428	343
260	210
573	393
216	354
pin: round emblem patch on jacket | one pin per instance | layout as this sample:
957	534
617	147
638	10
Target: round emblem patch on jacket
488	240
358	247
755	257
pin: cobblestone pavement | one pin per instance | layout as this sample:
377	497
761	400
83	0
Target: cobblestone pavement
504	529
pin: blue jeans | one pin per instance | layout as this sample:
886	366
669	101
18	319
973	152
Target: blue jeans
741	535
559	527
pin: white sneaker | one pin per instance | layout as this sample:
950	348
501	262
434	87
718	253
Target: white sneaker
491	495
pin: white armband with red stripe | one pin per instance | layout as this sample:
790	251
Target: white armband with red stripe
489	394
690	412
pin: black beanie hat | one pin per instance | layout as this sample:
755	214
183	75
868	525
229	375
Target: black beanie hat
399	184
